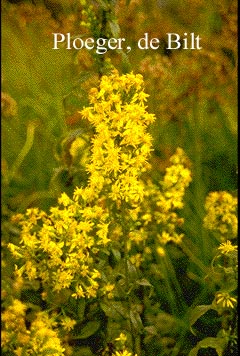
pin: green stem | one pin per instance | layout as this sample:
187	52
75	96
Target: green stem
24	151
135	336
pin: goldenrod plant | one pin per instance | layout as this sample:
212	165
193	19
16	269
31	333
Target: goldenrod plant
221	218
92	250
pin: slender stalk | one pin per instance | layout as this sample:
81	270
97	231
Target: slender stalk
136	340
24	151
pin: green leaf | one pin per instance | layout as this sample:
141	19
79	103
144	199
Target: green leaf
197	312
144	282
136	320
88	330
216	343
114	310
116	254
83	351
132	271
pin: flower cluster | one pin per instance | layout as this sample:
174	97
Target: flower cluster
40	339
121	145
59	247
221	214
156	221
168	199
14	329
118	209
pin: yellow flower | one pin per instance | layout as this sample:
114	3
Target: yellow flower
64	200
18	351
43	338
79	292
225	300
108	289
136	259
120	121
18	308
102	233
91	291
160	251
227	247
68	323
221	214
122	338
123	353
15	250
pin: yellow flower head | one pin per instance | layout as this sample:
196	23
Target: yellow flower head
68	323
122	338
225	300
221	214
227	247
123	353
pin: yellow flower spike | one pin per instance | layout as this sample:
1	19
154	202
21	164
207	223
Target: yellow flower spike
221	217
116	136
60	247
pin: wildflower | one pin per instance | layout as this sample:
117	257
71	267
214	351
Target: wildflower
160	251
122	338
121	145
18	351
60	248
163	202
14	327
227	247
136	259
91	291
108	289
79	292
15	250
18	308
68	323
64	200
123	353
221	214
225	300
44	339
